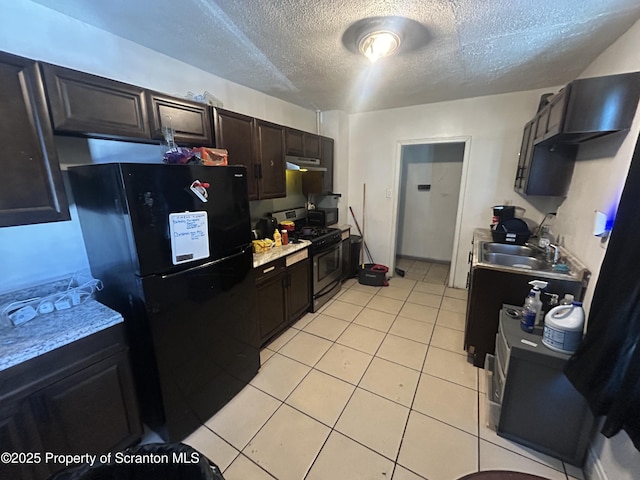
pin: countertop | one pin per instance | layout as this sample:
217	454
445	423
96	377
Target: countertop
49	331
342	226
275	253
577	270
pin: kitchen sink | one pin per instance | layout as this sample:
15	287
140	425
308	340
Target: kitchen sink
505	248
518	261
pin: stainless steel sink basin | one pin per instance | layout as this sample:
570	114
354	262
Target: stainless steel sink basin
505	248
518	261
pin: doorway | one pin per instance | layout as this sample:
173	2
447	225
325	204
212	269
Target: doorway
428	194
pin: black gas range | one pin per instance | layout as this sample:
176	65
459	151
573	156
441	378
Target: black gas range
325	252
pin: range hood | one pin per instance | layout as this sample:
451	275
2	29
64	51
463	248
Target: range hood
304	164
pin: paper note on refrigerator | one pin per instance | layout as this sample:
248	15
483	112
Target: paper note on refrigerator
189	236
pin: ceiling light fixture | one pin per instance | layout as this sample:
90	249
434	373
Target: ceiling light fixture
377	37
378	44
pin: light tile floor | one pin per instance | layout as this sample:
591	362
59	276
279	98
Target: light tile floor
375	386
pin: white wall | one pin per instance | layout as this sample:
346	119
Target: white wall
597	183
494	125
335	124
428	217
35	253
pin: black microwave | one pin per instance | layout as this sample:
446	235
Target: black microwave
322	217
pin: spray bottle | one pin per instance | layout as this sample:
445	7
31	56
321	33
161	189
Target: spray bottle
532	309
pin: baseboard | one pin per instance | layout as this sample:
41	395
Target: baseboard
593	469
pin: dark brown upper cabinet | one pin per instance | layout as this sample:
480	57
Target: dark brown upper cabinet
256	144
89	105
32	188
302	144
326	160
270	158
235	133
191	121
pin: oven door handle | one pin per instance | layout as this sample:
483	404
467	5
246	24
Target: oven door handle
327	289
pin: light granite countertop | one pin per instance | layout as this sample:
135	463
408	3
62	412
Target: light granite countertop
53	330
275	253
342	226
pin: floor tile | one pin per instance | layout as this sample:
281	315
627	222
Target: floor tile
436	277
394	292
402	283
283	338
419	312
409	275
403	351
401	473
448	402
365	288
287	444
454	305
326	327
240	419
321	396
343	459
375	319
429	448
459	293
388	305
343	310
420	266
361	338
244	469
422	298
280	376
306	348
374	421
356	297
451	320
448	339
391	381
304	320
350	282
345	363
493	457
265	354
451	366
412	329
212	446
429	288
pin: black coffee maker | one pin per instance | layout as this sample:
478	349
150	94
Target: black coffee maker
266	226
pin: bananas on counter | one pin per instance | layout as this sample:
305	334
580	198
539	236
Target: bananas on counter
260	246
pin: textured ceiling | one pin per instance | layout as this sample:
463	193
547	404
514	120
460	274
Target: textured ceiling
293	50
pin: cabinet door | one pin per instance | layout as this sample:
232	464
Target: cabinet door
235	132
91	411
326	160
191	121
270	141
271	306
557	107
524	157
294	142
32	189
298	289
18	434
311	145
89	105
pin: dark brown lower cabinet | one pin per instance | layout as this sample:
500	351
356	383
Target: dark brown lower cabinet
68	401
284	293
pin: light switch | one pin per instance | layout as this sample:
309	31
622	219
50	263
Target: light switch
389	193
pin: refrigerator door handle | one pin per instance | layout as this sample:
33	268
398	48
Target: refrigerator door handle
208	264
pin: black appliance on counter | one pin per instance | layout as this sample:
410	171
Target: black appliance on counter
172	245
325	251
322	217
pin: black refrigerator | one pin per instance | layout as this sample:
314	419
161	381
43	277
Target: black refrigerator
172	245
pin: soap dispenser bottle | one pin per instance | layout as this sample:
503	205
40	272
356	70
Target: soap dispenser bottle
532	309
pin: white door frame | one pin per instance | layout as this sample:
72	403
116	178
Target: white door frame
397	170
